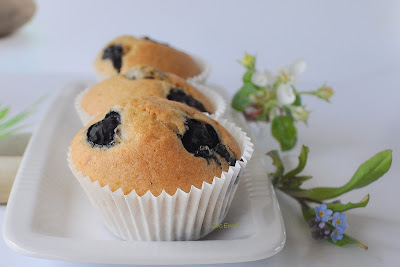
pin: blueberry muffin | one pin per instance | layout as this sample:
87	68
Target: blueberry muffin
139	81
124	52
151	144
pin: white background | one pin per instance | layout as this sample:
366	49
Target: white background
351	45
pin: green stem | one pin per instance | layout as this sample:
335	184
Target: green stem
299	199
307	93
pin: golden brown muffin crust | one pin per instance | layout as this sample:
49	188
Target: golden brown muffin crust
148	153
142	51
115	89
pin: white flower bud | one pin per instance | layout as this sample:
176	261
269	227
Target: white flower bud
299	113
285	94
259	79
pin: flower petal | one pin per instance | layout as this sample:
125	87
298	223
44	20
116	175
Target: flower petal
336	216
297	67
259	79
270	77
316	209
283	70
328	212
286	96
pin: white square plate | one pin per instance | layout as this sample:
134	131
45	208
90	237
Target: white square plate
49	216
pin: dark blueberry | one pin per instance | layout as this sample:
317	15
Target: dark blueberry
223	152
102	133
177	94
202	140
114	52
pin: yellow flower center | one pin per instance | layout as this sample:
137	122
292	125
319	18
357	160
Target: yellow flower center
286	77
321	213
335	233
337	221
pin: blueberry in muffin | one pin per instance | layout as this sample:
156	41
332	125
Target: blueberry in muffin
103	133
114	53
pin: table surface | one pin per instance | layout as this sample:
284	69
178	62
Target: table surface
353	46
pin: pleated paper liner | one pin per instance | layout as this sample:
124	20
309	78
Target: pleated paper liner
216	100
201	78
182	216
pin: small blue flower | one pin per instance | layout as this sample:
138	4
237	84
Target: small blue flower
336	235
339	221
322	212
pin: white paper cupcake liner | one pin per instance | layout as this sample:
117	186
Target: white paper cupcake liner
201	78
216	100
182	216
206	70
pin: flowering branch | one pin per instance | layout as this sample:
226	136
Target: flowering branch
270	97
328	220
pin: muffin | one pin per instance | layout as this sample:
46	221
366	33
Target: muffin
124	52
160	162
139	81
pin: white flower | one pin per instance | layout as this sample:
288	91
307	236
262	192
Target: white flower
292	72
270	77
297	67
299	113
263	79
259	79
285	94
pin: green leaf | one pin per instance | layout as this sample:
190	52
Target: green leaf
368	172
276	161
307	212
302	162
241	99
297	102
371	170
339	207
348	240
6	132
247	76
284	131
4	112
14	120
288	112
11	125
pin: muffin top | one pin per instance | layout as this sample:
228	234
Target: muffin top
125	52
150	143
143	80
